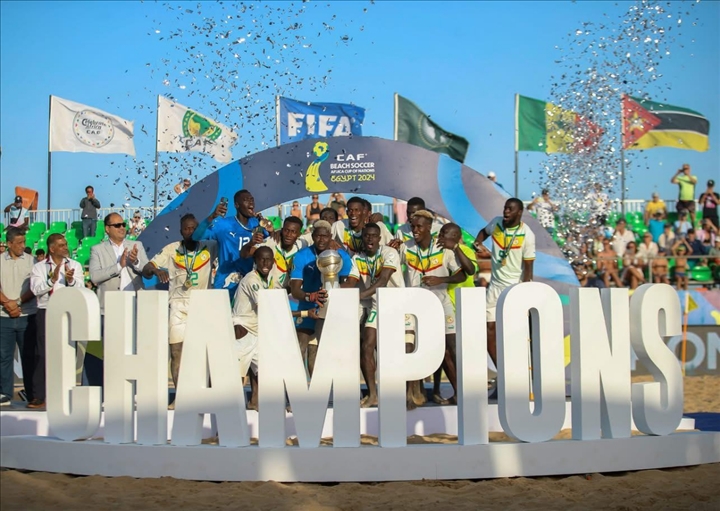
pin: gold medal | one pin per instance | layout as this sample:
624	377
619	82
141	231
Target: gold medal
504	262
188	284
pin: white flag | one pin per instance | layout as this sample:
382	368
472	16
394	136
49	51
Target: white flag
181	129
78	128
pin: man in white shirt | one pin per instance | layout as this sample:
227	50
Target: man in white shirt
17	315
18	213
186	266
115	265
55	272
621	237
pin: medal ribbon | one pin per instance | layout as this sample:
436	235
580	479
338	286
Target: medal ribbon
189	268
506	251
371	270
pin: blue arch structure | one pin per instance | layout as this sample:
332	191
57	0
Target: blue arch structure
359	165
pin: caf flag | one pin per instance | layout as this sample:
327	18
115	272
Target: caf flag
181	129
78	128
413	126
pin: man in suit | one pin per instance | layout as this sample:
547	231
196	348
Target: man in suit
115	265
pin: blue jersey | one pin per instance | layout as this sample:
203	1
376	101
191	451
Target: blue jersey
231	236
305	269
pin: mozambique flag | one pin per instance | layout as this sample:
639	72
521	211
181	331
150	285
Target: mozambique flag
413	126
542	126
647	124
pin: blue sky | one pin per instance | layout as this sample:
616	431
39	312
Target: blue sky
461	62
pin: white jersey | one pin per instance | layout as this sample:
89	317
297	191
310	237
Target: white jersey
280	272
366	269
350	240
245	308
433	261
181	266
509	246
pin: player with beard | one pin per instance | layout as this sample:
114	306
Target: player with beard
233	235
350	237
431	266
306	286
374	267
513	254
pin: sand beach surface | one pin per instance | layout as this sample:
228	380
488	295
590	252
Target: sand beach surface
696	488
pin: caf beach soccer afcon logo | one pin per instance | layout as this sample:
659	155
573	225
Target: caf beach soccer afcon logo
313	180
93	129
198	128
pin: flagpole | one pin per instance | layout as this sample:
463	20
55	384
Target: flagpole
622	157
49	185
277	121
517	183
395	117
157	135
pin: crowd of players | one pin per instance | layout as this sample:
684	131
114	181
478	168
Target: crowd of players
237	253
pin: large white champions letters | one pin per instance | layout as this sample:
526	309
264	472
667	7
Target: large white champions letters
73	315
603	328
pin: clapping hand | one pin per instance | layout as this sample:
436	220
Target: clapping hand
69	274
132	258
123	259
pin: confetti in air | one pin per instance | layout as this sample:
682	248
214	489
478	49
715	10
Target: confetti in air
598	63
228	61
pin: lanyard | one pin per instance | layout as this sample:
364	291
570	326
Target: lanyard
426	257
506	251
189	268
371	269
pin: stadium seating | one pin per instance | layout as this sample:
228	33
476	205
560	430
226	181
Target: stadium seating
58	227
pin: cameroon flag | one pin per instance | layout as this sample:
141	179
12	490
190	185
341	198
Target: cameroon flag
647	124
542	126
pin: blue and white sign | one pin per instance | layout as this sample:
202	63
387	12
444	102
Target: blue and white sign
298	120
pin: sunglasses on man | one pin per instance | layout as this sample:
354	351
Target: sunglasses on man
117	225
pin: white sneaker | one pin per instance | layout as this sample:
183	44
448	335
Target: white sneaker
5	401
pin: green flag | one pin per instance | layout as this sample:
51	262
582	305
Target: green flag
413	126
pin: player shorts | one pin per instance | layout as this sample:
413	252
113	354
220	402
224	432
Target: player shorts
491	297
449	310
176	322
246	350
368	315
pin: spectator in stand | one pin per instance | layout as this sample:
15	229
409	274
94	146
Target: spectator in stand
586	277
709	201
492	177
714	262
39	255
89	205
659	269
682	225
182	187
680	249
647	252
655	206
666	240
622	237
696	248
18	213
656	226
312	210
632	267
686	190
545	209
336	200
599	205
296	210
3	247
707	234
137	225
607	267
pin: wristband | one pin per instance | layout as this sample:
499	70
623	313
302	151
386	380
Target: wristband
19	302
304	314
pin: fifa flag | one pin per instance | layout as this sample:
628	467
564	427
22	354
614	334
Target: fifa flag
181	130
299	120
647	124
544	127
413	126
78	128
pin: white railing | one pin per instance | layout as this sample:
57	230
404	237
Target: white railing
283	210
